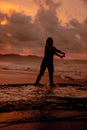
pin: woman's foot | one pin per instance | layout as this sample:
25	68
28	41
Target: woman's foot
52	85
37	84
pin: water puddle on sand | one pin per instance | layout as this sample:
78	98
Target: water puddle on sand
42	97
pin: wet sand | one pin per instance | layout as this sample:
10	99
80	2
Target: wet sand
41	120
27	107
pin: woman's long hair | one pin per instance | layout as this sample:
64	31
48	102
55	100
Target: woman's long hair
49	41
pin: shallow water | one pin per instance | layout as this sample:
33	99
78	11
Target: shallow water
43	120
42	97
29	107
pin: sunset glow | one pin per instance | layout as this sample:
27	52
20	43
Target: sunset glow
26	24
9	34
4	22
25	52
5	7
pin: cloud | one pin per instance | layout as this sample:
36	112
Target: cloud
21	34
19	26
51	4
81	30
70	39
84	1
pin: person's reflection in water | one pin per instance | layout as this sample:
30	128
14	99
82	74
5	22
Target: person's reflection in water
47	61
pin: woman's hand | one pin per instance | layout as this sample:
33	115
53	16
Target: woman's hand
63	55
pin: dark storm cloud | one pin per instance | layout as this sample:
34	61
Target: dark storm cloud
26	33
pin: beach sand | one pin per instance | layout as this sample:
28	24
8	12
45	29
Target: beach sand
27	107
21	77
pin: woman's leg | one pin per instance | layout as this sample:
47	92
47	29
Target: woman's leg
51	70
42	70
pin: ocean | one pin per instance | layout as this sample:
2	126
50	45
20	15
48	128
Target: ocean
75	69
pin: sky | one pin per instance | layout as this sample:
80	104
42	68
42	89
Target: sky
26	24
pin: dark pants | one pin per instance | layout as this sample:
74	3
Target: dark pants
50	68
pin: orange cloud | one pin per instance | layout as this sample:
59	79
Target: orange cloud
62	17
8	47
10	12
28	34
4	22
9	35
25	52
9	8
5	7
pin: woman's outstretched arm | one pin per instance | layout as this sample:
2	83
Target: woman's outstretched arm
59	53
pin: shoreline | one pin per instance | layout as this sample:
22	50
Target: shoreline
28	77
43	120
27	107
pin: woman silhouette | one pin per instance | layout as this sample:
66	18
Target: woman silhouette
47	61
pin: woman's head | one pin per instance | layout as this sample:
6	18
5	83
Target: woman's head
49	41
